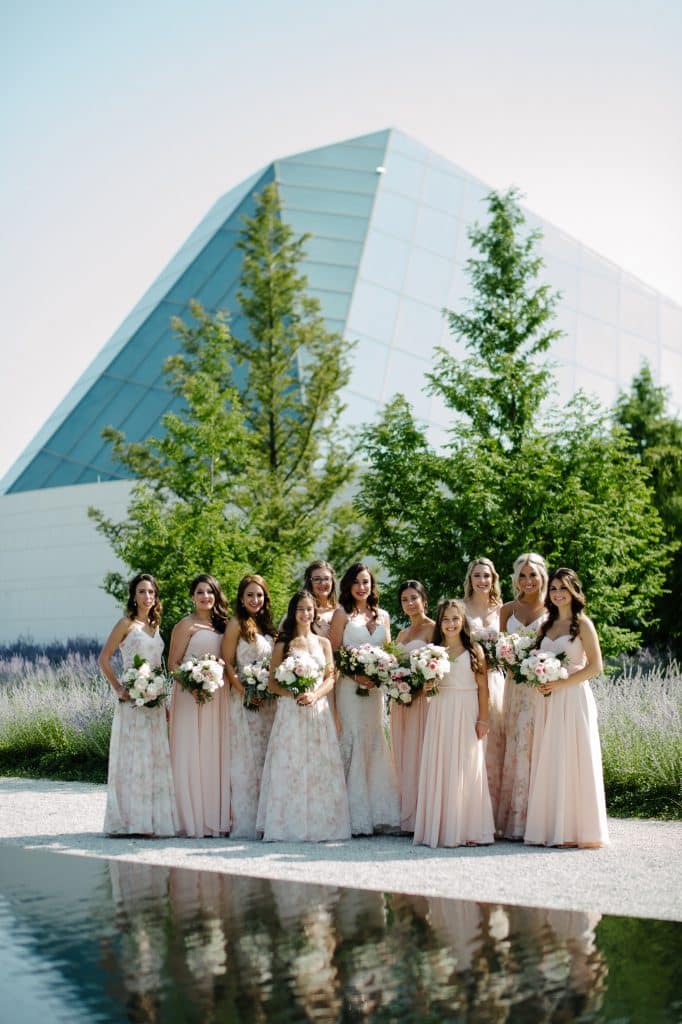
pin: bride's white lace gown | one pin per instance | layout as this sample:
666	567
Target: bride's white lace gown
367	761
140	795
303	791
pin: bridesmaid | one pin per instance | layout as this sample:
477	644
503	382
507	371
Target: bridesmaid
566	805
408	723
200	749
303	794
249	637
320	581
453	803
368	765
482	601
140	796
526	611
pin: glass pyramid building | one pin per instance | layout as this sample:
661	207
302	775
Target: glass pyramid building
388	219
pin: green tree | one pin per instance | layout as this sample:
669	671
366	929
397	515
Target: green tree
245	473
657	436
511	477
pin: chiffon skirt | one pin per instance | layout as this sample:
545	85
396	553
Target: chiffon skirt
566	805
200	754
407	736
453	803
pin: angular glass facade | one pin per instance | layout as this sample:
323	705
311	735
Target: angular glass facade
389	223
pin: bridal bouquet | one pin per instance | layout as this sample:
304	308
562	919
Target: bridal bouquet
488	638
201	676
429	664
541	667
368	660
254	678
512	648
146	685
399	687
299	672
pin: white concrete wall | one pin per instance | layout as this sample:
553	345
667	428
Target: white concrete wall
53	561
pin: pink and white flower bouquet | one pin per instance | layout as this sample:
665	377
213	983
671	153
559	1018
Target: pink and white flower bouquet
254	678
541	667
488	638
368	660
299	672
429	664
399	689
146	685
512	648
201	676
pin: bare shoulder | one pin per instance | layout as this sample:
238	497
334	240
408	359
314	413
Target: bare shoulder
586	627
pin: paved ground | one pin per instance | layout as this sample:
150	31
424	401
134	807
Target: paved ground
638	874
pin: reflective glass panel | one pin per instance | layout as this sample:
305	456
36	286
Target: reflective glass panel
437	231
596	345
598	297
603	388
385	260
328	276
404	175
352	203
418	327
428	278
671	376
373	312
444	191
396	215
632	353
334	304
370	359
562	277
326	225
292	173
358	158
406	376
333	250
670	319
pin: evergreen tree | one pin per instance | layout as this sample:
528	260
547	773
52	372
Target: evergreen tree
246	471
657	437
511	477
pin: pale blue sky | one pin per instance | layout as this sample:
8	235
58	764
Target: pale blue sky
122	124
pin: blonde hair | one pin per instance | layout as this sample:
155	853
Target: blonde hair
495	592
538	563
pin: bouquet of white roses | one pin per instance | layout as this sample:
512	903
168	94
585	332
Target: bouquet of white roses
146	685
298	672
400	688
512	648
254	678
541	667
488	638
368	660
201	676
429	664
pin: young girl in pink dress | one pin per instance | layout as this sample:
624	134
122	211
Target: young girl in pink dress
303	794
482	600
249	638
199	733
140	795
453	802
566	805
526	611
408	723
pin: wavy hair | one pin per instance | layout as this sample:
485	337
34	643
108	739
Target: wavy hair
220	612
346	599
495	592
538	563
572	582
249	624
154	616
308	580
476	657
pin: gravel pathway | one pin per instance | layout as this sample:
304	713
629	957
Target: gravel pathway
637	875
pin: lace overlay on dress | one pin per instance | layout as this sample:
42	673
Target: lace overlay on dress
249	742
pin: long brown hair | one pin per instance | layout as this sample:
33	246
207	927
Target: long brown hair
346	599
308	580
571	581
288	630
220	611
154	616
250	624
476	657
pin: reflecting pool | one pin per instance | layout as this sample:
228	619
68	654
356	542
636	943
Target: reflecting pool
95	940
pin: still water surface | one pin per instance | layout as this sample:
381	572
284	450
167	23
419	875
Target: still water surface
94	940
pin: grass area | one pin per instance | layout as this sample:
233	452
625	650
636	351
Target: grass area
56	712
641	737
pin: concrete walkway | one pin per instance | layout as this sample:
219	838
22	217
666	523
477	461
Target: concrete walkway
637	875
